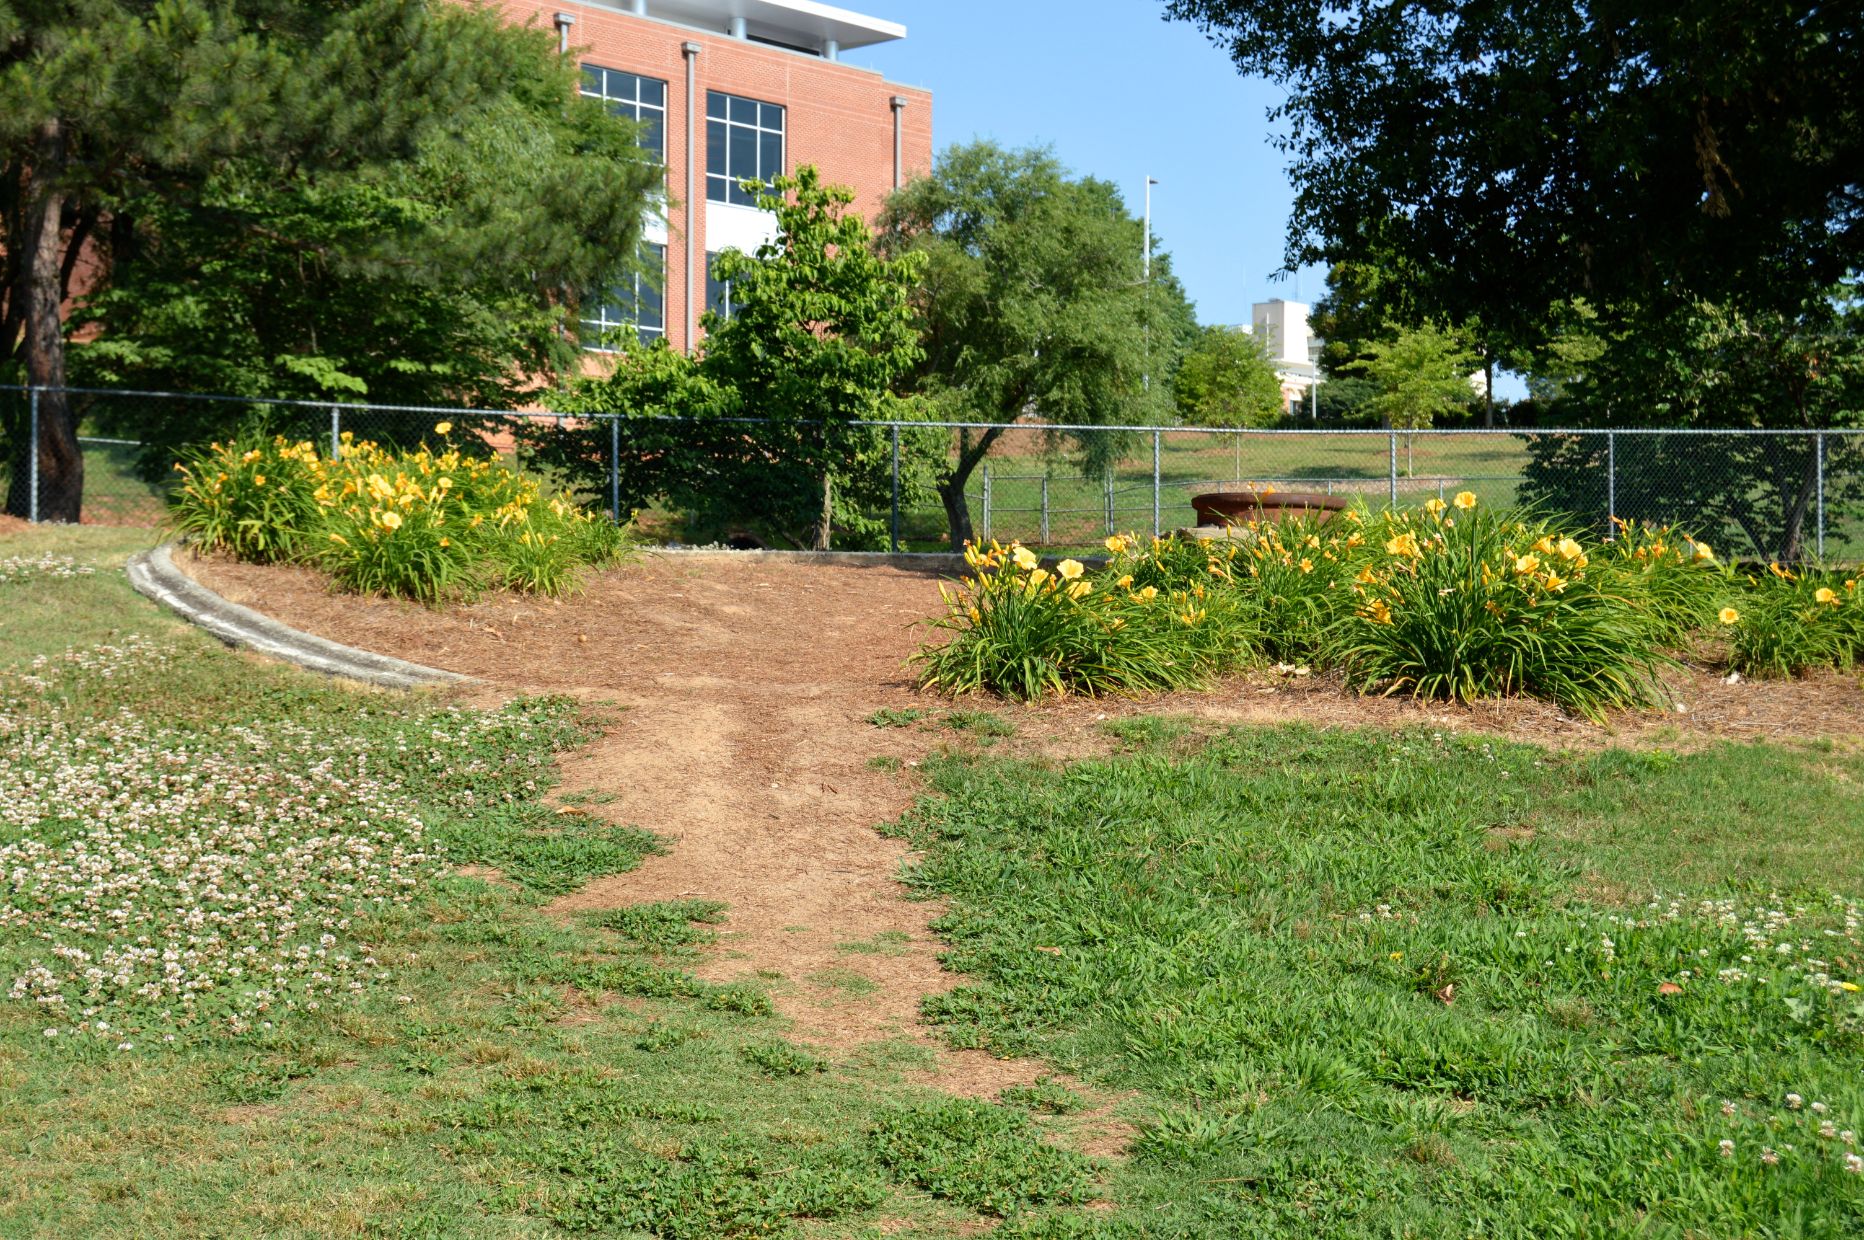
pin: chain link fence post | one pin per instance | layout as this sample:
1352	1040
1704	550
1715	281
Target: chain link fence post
1818	448
893	522
1045	509
32	460
1155	484
614	468
1393	457
1611	479
986	501
336	431
1109	499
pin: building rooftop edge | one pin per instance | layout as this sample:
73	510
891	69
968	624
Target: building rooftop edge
779	21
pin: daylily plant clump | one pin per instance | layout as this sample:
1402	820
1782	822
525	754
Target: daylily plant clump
1450	600
428	523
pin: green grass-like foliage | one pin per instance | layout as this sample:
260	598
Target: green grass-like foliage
1352	981
1785	623
1024	632
1450	600
253	498
430	524
666	923
987	1157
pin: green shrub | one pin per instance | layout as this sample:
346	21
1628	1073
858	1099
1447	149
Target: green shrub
252	499
1024	632
430	525
1677	579
1786	623
1483	604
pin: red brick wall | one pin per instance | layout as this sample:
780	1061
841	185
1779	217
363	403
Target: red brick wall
838	117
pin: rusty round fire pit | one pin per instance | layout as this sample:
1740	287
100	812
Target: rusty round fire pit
1240	507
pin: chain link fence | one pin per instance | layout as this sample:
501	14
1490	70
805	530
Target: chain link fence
1754	494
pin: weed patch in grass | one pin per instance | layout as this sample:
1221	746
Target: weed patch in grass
896	716
781	1059
1147	731
665	924
886	943
1046	1096
846	982
982	1156
979	723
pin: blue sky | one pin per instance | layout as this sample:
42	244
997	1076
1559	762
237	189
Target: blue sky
1119	93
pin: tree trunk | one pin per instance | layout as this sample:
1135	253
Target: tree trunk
61	464
1488	391
957	512
825	530
951	487
1795	531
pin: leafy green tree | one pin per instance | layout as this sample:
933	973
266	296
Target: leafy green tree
390	197
821	330
1705	366
1227	379
771	427
1421	374
1033	302
1520	155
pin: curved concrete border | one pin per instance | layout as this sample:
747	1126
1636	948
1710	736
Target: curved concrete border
155	575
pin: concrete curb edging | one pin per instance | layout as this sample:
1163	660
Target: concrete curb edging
154	575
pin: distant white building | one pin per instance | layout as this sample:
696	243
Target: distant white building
1292	348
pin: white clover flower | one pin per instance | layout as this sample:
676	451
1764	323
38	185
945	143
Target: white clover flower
1726	1147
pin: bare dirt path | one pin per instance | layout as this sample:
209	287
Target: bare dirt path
747	685
744	743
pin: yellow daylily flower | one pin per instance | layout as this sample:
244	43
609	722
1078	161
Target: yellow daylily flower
1025	558
1826	594
443	428
1465	500
390	519
1728	615
1069	569
1434	506
1526	563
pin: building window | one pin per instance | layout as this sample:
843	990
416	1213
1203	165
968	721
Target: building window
635	302
718	292
743	142
635	98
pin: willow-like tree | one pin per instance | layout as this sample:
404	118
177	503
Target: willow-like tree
1034	302
392	198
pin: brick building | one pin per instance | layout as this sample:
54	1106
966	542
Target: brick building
730	90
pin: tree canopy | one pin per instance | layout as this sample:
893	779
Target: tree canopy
1516	154
1034	302
1227	379
390	198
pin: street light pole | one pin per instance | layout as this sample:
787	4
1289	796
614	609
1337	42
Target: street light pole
1145	261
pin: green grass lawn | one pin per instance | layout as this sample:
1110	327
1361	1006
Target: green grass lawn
1342	983
1367	984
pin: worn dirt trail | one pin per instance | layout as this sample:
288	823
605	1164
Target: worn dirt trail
744	743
